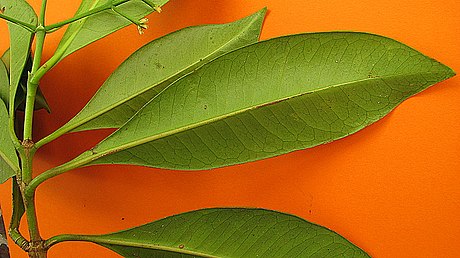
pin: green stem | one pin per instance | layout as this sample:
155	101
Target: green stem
25	25
107	6
51	137
65	238
60	53
84	159
32	86
18	212
32	222
12	131
30	103
28	149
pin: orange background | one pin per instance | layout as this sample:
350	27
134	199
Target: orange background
393	188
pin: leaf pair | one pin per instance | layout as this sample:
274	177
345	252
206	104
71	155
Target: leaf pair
259	101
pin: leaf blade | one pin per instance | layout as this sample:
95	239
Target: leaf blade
150	69
20	39
286	105
9	163
229	232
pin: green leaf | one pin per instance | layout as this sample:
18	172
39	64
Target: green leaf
83	32
20	39
229	232
159	63
4	83
9	163
270	98
40	100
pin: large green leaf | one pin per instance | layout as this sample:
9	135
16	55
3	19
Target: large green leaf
20	39
83	32
229	232
270	98
9	163
150	69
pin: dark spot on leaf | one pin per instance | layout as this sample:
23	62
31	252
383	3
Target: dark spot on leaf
158	65
205	106
370	76
181	246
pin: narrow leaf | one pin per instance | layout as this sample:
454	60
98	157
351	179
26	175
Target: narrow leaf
9	163
270	98
229	232
150	69
20	39
83	32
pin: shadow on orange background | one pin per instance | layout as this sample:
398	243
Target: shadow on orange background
393	189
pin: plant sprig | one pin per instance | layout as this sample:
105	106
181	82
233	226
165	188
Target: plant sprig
223	98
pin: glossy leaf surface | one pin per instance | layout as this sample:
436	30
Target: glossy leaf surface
20	39
150	69
83	32
9	163
271	98
229	232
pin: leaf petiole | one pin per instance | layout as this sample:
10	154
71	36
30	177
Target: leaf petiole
24	25
107	6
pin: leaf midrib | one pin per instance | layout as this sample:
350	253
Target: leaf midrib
103	111
147	246
95	155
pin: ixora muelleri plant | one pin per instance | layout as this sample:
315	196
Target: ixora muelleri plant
224	99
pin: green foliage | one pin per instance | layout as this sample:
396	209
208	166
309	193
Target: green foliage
150	69
221	98
94	27
270	98
9	163
40	100
20	39
229	233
